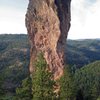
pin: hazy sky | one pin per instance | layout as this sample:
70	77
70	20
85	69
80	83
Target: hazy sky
12	16
85	18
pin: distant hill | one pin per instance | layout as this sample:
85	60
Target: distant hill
82	52
14	50
78	52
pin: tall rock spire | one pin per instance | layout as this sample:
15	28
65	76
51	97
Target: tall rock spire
48	23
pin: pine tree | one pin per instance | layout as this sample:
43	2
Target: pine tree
24	92
67	86
42	83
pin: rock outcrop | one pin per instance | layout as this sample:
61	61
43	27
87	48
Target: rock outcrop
48	23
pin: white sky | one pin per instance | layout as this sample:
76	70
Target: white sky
85	18
12	16
85	21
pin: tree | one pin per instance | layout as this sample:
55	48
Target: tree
42	82
2	91
24	92
67	86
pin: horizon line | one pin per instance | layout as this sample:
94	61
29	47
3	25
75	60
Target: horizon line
67	38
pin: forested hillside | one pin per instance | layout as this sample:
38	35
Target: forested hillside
82	52
87	80
78	52
14	60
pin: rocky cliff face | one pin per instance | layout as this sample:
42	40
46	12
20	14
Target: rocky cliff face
48	23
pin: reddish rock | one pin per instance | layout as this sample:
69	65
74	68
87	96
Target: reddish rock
48	23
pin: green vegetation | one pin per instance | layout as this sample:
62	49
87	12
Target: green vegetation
80	81
42	83
24	91
14	61
87	80
67	90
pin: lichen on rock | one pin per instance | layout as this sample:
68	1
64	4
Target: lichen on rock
48	23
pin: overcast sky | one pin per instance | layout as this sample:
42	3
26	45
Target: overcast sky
12	16
85	18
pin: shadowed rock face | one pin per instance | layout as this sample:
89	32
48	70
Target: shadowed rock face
48	23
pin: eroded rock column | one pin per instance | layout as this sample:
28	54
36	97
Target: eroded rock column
48	23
